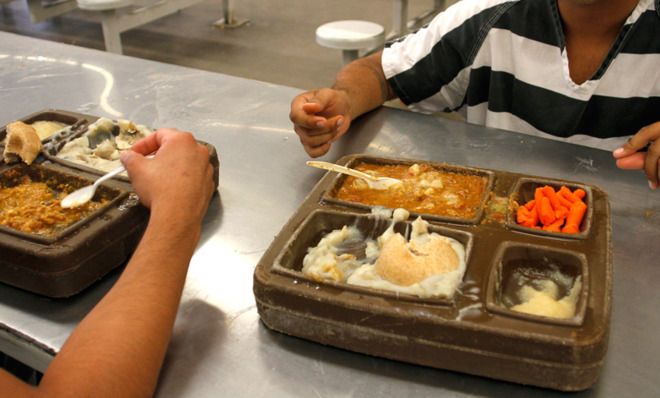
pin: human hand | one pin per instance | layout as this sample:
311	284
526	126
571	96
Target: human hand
179	178
319	118
629	156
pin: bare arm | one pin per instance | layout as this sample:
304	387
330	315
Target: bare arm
118	349
322	116
365	85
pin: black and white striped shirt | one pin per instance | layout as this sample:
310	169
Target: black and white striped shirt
503	64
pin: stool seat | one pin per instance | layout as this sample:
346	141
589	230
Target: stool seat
350	35
102	5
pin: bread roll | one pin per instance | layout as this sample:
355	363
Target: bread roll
22	143
404	263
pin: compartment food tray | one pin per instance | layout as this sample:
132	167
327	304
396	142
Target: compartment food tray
473	332
65	263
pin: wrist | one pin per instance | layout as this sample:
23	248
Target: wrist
345	97
175	223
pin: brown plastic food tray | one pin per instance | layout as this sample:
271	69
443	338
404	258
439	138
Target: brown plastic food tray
67	262
69	118
473	332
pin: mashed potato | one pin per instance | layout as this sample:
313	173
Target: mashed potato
543	299
426	265
100	146
46	128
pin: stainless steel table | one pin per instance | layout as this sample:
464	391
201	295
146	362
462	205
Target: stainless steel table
219	347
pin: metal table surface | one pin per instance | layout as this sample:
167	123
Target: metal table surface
219	347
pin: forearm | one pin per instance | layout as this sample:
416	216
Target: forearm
140	329
365	85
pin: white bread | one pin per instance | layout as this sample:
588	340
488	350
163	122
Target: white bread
22	143
404	263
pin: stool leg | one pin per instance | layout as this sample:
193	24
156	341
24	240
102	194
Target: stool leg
349	56
111	32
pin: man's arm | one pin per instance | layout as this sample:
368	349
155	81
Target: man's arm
321	116
118	348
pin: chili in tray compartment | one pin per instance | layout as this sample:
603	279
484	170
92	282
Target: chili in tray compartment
437	191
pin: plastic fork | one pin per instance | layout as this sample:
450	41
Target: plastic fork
373	182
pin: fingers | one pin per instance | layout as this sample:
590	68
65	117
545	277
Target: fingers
631	162
318	143
341	125
638	141
320	117
652	164
152	142
320	150
304	109
644	136
630	157
209	184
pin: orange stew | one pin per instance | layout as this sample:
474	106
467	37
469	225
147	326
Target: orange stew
32	207
425	189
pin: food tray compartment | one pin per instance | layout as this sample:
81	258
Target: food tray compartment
52	148
73	120
69	261
60	183
523	191
474	334
321	222
331	194
518	265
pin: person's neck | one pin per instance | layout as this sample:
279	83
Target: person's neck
595	18
590	29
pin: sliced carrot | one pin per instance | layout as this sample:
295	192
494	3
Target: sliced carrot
526	217
550	209
561	213
554	227
574	218
567	194
535	216
530	205
546	214
564	202
550	193
522	214
538	196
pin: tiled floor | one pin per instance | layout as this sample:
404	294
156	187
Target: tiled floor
277	46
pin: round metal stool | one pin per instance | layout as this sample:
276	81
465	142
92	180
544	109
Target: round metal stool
350	36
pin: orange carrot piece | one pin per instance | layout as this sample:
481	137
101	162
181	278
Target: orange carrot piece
561	213
579	193
574	218
525	217
538	196
522	215
567	194
530	205
546	214
564	202
550	193
554	227
535	215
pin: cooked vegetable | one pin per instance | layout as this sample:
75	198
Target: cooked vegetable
554	211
